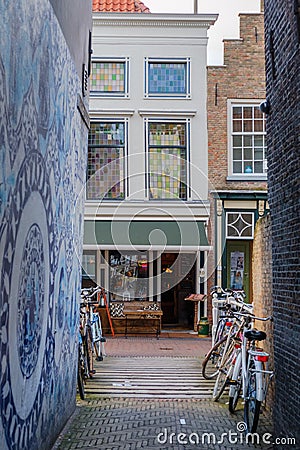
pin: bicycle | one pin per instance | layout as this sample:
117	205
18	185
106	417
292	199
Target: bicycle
228	301
250	374
94	321
81	368
84	357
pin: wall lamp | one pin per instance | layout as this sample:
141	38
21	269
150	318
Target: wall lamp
265	107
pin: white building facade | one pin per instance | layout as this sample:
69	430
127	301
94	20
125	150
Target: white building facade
147	205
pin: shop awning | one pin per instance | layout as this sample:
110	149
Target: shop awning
147	235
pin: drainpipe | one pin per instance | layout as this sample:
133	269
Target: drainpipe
195	6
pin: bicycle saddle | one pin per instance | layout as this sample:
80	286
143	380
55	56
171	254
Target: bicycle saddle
255	335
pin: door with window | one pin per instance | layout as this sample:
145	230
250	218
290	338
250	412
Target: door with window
238	267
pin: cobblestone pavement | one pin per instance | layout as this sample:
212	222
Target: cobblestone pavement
157	424
102	423
132	346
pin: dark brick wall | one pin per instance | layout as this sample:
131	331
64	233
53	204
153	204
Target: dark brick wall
283	128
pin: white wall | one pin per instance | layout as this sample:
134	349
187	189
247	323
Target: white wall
165	36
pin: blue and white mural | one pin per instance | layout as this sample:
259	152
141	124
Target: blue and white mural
42	171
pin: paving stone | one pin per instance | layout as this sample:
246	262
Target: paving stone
120	423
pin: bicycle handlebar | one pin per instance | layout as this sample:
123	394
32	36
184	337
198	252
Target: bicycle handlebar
87	293
218	290
253	317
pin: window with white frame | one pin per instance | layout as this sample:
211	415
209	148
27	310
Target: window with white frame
167	77
106	161
247	140
239	225
167	160
109	77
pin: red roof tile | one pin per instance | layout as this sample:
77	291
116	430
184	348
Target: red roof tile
134	6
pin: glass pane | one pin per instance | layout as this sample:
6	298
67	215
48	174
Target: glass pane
108	77
247	141
167	134
237	141
247	126
106	134
237	167
258	154
248	167
167	78
237	154
248	154
257	113
237	126
167	173
105	173
248	112
237	112
129	275
258	141
258	167
89	264
239	225
258	125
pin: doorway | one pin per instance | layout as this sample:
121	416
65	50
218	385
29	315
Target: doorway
239	267
177	283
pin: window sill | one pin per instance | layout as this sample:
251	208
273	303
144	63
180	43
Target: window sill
246	177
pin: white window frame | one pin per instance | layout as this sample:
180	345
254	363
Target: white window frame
242	176
186	95
187	123
240	216
124	94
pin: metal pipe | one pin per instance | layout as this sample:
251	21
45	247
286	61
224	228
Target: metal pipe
195	6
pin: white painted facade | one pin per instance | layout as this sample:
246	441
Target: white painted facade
136	38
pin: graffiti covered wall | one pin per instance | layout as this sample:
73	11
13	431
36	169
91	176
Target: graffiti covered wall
42	171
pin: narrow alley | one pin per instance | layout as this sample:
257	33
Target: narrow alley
149	393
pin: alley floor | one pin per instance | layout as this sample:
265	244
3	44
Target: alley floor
149	393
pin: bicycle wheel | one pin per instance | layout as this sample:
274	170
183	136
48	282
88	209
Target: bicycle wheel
80	377
220	330
235	384
211	361
225	370
252	405
89	352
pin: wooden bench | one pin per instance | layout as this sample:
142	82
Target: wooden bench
143	314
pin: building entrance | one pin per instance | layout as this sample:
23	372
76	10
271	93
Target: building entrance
177	283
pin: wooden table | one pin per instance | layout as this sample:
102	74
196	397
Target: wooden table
144	315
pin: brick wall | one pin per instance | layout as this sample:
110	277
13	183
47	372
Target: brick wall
262	288
241	77
282	33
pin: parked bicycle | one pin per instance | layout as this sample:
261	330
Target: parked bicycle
91	340
227	303
251	374
92	298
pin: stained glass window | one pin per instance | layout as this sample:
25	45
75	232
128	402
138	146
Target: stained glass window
108	77
105	171
168	78
167	161
248	140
